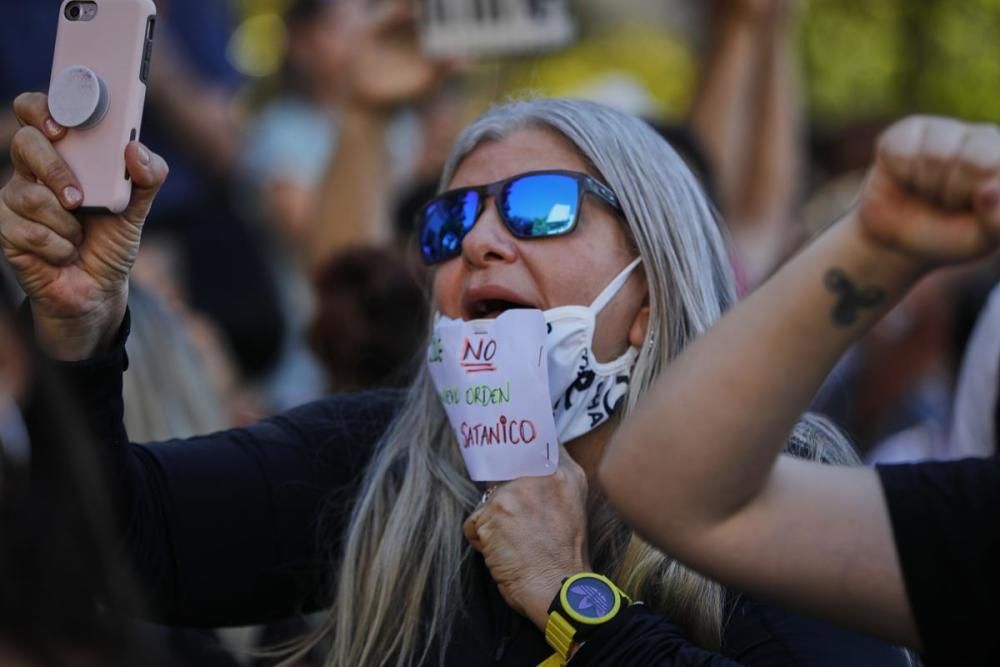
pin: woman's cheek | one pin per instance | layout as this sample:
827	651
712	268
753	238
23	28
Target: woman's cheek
447	289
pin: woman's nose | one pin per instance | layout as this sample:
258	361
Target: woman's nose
489	240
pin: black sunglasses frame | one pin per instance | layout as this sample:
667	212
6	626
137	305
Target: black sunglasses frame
497	190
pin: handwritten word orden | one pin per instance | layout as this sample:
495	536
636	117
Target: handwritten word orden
503	432
478	394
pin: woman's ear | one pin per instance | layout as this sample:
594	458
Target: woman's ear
637	332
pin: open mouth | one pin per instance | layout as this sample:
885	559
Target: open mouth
493	308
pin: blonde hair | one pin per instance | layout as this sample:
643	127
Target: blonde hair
398	579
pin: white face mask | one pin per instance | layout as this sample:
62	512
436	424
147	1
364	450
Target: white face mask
584	391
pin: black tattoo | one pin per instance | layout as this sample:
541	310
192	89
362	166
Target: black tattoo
851	299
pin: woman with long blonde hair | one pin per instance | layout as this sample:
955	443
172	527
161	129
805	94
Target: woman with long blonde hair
428	569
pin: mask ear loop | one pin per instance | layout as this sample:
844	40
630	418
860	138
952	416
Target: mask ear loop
614	287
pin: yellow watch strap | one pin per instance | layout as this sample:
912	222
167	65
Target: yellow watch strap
559	634
554	660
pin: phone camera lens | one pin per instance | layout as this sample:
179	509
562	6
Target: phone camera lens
73	12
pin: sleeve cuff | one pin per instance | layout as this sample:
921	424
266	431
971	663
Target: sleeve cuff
111	361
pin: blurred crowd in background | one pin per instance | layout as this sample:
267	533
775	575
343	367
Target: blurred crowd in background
279	262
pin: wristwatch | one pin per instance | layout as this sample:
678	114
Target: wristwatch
585	602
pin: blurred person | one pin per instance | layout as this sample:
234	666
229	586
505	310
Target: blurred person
906	551
322	156
65	586
326	154
227	523
156	270
193	119
746	115
168	391
977	410
370	320
904	386
371	307
292	139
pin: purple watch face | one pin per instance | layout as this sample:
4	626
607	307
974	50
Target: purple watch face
590	597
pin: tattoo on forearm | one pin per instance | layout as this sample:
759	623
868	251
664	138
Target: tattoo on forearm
851	299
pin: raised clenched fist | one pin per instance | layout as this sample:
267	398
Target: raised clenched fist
933	193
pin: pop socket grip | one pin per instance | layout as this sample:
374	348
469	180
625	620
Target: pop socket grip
78	98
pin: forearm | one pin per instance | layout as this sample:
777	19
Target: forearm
718	114
353	201
774	157
93	388
722	410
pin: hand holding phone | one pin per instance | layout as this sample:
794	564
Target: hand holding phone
97	90
74	269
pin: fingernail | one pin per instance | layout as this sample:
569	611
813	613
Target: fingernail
72	196
51	128
143	155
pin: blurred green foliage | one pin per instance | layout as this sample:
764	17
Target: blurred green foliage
650	56
882	58
862	59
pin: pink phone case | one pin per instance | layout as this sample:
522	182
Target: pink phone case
115	45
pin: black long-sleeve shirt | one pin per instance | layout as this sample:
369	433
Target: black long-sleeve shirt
237	527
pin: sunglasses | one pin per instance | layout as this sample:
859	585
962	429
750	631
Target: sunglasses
533	205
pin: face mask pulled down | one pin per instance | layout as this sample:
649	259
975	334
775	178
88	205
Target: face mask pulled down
516	386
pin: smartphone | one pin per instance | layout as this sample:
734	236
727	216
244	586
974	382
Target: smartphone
97	90
494	28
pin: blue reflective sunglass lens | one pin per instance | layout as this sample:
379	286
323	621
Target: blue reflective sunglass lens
445	222
541	205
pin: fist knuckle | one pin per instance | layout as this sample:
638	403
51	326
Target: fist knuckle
28	101
7	193
21	140
985	130
25	144
982	134
31	202
500	504
933	160
38	237
22	105
909	124
940	124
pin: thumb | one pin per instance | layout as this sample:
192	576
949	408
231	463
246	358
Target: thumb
471	531
148	172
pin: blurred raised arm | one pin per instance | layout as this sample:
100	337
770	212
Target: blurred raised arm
746	113
386	70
